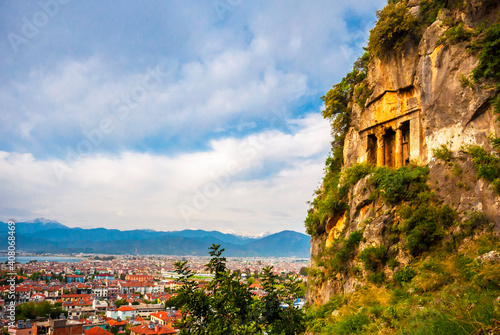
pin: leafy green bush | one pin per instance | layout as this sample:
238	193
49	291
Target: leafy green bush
374	258
227	306
343	251
423	225
394	27
457	33
429	10
392	263
355	238
354	173
487	165
402	184
377	277
442	152
329	198
473	221
489	57
362	93
405	275
465	82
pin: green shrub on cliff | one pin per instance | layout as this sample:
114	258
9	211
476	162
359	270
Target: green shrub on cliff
423	225
374	258
487	165
405	275
489	57
457	33
329	199
341	252
429	10
402	184
394	27
442	152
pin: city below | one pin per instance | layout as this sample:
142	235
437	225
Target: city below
117	292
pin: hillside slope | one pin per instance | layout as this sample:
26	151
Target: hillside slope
405	226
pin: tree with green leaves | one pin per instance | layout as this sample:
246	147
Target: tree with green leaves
32	310
227	306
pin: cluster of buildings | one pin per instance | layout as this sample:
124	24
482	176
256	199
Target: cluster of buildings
125	294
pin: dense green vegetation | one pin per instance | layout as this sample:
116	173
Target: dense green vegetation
487	165
443	287
394	27
32	310
446	292
489	56
226	305
422	224
337	110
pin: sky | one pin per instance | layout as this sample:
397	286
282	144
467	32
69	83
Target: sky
170	115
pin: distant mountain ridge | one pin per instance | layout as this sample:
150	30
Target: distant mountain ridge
34	226
42	235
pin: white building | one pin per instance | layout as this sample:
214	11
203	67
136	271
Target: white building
123	312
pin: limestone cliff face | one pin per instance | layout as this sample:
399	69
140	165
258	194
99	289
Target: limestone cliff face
418	104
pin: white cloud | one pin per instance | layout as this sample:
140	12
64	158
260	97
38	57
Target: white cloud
226	187
262	57
222	76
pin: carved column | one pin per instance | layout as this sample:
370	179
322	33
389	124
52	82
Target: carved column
399	148
380	149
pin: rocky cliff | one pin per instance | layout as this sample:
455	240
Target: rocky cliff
414	173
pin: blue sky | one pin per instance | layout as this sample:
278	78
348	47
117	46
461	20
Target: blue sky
170	115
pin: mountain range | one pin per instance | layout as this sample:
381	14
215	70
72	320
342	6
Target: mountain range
46	236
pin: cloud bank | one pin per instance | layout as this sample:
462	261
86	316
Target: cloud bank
170	115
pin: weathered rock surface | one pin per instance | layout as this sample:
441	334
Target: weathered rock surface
418	87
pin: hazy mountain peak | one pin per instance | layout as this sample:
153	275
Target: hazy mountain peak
247	235
43	221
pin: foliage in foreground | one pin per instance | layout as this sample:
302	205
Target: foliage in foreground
448	292
227	306
32	310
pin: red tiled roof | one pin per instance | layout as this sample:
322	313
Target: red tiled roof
97	331
76	296
86	321
145	330
126	309
161	315
113	322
